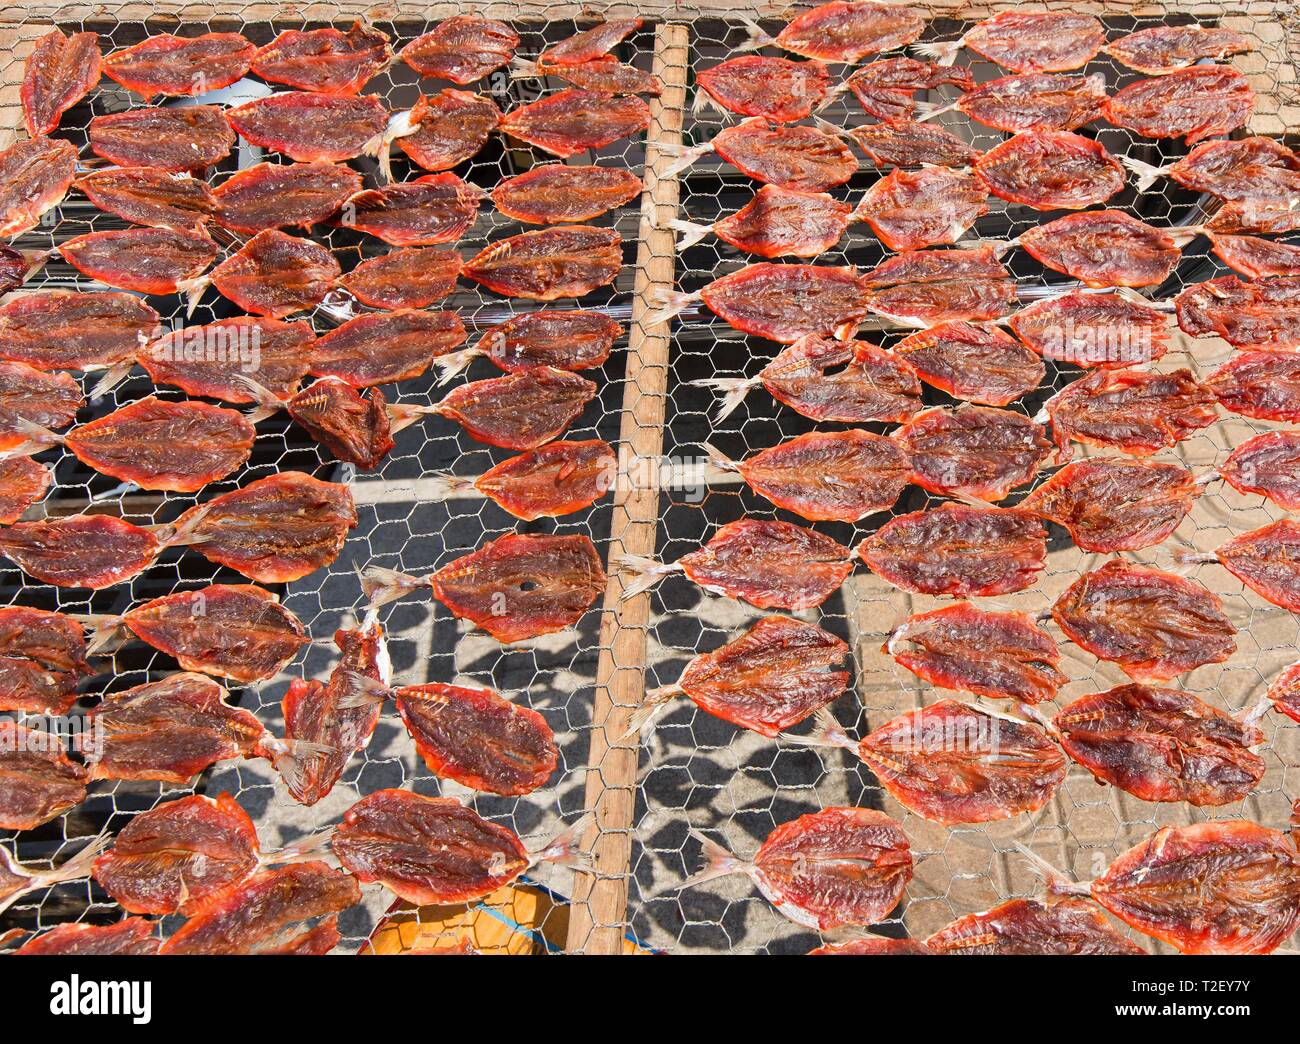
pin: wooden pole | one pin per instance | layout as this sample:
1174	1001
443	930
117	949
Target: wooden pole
599	912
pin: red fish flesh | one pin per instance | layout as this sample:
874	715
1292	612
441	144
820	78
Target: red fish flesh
267	912
38	782
1055	41
1162	745
129	937
234	631
1130	410
91	551
999	655
1222	887
434	209
276	274
31	396
1284	694
905	143
214	360
973	451
14	267
591	43
320	717
783	302
977	363
552	480
1265	561
803	159
932	206
561	261
354	427
952	763
462	49
1259	315
1155	625
885	88
515	587
60	71
775	675
1051	170
1261	174
179	856
326	60
836	867
277	195
958	550
180	139
575	120
832	380
830	476
1109	331
1268	464
478	738
274	530
770	564
777	223
180	66
1254	257
1264	385
927	287
520	411
606	74
1027	927
774	88
1168	48
410	278
556	192
312	127
1104	248
385	347
169	730
1035	101
177	446
35	175
846	32
565	340
151	197
435	850
22	483
1191	104
148	260
1115	503
872	945
448	128
42	659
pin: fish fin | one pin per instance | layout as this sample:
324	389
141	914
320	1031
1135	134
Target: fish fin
829	128
691	232
704	102
309	847
441	486
756	39
1146	173
829	98
452	363
77	867
192	290
718	862
563	849
38	437
942	53
827	732
685	156
106	631
667	304
926	111
267	401
382	586
650	573
1250	717
719	459
523	69
734	390
112	377
363	691
1057	883
652	707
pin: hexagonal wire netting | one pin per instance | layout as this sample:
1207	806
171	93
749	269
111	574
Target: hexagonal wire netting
696	770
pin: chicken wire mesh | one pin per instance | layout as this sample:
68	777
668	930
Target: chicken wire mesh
695	770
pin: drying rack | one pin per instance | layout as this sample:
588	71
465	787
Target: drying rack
588	682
